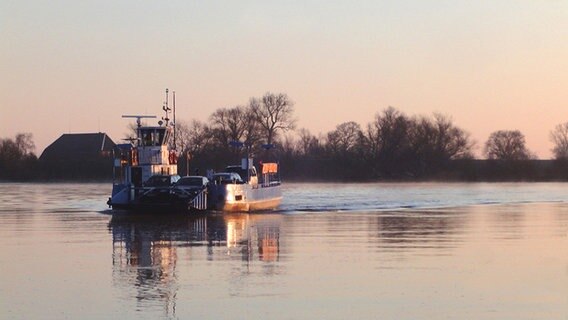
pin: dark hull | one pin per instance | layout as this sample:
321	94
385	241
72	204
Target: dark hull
162	199
154	208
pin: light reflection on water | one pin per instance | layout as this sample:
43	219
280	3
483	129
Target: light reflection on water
63	255
145	249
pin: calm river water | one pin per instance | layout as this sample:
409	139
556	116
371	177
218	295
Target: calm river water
332	251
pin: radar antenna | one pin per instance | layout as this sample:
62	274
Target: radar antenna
138	118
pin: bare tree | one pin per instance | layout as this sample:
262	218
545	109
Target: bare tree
387	143
221	128
345	137
193	137
307	143
388	134
25	143
9	152
559	136
274	112
288	147
423	135
507	145
234	124
17	159
450	141
17	149
252	127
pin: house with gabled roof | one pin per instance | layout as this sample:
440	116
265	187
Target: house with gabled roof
77	156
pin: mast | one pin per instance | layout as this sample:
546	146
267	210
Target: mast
167	98
166	109
175	124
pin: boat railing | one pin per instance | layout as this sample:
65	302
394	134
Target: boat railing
199	201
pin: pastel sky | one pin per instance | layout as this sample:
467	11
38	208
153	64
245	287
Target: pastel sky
77	66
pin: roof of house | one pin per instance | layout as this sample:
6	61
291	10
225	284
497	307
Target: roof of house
78	145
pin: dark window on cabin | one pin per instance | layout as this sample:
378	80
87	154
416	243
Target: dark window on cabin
161	133
147	137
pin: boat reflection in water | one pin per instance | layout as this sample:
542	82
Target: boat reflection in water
148	249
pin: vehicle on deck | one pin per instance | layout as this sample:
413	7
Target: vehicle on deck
192	182
161	181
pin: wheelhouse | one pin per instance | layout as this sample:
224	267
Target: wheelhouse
154	136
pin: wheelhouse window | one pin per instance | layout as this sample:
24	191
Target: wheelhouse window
153	136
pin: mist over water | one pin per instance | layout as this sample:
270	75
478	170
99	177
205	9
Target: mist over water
334	251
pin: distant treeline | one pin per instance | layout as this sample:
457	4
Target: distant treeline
391	147
17	160
310	168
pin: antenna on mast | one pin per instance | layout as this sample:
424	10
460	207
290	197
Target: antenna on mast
174	93
166	109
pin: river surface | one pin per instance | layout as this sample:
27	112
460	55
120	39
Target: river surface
331	251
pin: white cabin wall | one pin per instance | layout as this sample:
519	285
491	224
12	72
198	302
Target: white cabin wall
153	155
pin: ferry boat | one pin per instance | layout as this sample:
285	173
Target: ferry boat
146	178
